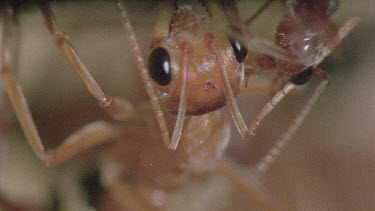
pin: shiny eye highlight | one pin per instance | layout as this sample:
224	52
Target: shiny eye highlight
159	66
239	50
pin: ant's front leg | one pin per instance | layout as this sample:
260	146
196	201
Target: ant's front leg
280	144
6	115
90	135
6	122
119	109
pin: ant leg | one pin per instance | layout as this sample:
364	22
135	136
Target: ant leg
84	138
6	121
270	106
278	81
12	87
243	129
247	184
280	144
258	12
6	117
336	40
229	8
233	106
231	11
284	139
264	87
343	31
117	108
88	136
227	11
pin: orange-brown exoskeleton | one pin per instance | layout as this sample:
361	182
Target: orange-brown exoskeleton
139	171
196	66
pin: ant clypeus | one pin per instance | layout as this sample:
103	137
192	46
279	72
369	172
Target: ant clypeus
140	167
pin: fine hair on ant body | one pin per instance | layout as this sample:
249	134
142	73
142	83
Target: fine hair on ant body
211	76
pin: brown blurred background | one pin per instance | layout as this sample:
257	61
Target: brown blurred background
329	164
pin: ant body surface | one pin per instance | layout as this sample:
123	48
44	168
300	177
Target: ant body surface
188	80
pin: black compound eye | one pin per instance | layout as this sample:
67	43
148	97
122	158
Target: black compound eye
159	66
239	48
302	78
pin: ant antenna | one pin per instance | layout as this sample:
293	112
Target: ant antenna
284	139
143	72
182	105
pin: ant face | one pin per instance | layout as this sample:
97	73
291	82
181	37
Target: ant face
195	48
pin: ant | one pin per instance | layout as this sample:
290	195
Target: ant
204	139
308	36
305	30
184	86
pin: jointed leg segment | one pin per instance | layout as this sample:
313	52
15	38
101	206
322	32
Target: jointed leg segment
258	12
280	144
244	131
117	108
84	138
71	54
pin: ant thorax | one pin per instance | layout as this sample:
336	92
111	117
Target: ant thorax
203	50
203	143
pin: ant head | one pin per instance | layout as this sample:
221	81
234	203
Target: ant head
195	49
322	8
313	14
292	35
